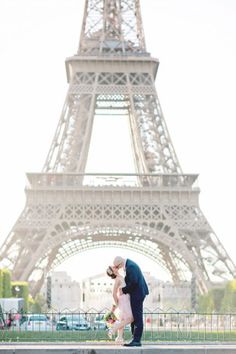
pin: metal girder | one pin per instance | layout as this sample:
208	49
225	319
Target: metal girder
112	26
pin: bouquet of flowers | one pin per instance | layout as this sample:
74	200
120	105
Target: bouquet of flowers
110	318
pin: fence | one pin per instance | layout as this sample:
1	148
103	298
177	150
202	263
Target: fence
81	326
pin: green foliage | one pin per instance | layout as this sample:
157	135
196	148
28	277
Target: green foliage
1	290
20	289
206	303
38	304
219	299
229	300
217	295
5	283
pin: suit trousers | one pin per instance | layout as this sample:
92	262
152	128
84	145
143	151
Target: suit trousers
137	325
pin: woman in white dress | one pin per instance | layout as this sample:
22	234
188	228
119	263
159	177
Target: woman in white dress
122	303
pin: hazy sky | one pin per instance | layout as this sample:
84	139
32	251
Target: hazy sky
195	41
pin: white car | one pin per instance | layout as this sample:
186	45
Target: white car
99	322
73	322
36	322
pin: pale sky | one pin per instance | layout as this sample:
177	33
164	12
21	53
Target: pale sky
195	41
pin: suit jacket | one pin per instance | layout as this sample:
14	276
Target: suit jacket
135	283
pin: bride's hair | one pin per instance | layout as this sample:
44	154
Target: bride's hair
111	273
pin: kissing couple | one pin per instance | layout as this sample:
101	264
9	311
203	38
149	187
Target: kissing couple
128	293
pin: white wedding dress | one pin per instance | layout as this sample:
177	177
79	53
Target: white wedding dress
124	307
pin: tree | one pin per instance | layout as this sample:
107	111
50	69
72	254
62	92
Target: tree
5	283
38	304
1	290
217	294
229	300
206	303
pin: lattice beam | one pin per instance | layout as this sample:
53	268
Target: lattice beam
112	27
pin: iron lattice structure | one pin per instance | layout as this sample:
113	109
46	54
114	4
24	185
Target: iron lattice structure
154	211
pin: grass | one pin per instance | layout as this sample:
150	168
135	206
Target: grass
91	336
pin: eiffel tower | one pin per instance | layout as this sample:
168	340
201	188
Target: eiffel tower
154	211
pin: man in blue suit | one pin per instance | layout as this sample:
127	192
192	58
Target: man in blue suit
137	288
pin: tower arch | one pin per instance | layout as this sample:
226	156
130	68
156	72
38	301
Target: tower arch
159	246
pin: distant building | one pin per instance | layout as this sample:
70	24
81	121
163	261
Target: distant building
172	296
95	293
65	293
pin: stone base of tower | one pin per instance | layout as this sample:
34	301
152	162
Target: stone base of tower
111	349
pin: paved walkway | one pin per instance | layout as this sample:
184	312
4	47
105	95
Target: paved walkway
112	349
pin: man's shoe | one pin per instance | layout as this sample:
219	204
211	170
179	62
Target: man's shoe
133	344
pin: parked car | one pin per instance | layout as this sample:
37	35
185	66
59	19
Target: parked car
36	322
73	323
99	322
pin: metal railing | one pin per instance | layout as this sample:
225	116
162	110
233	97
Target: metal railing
115	180
82	326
